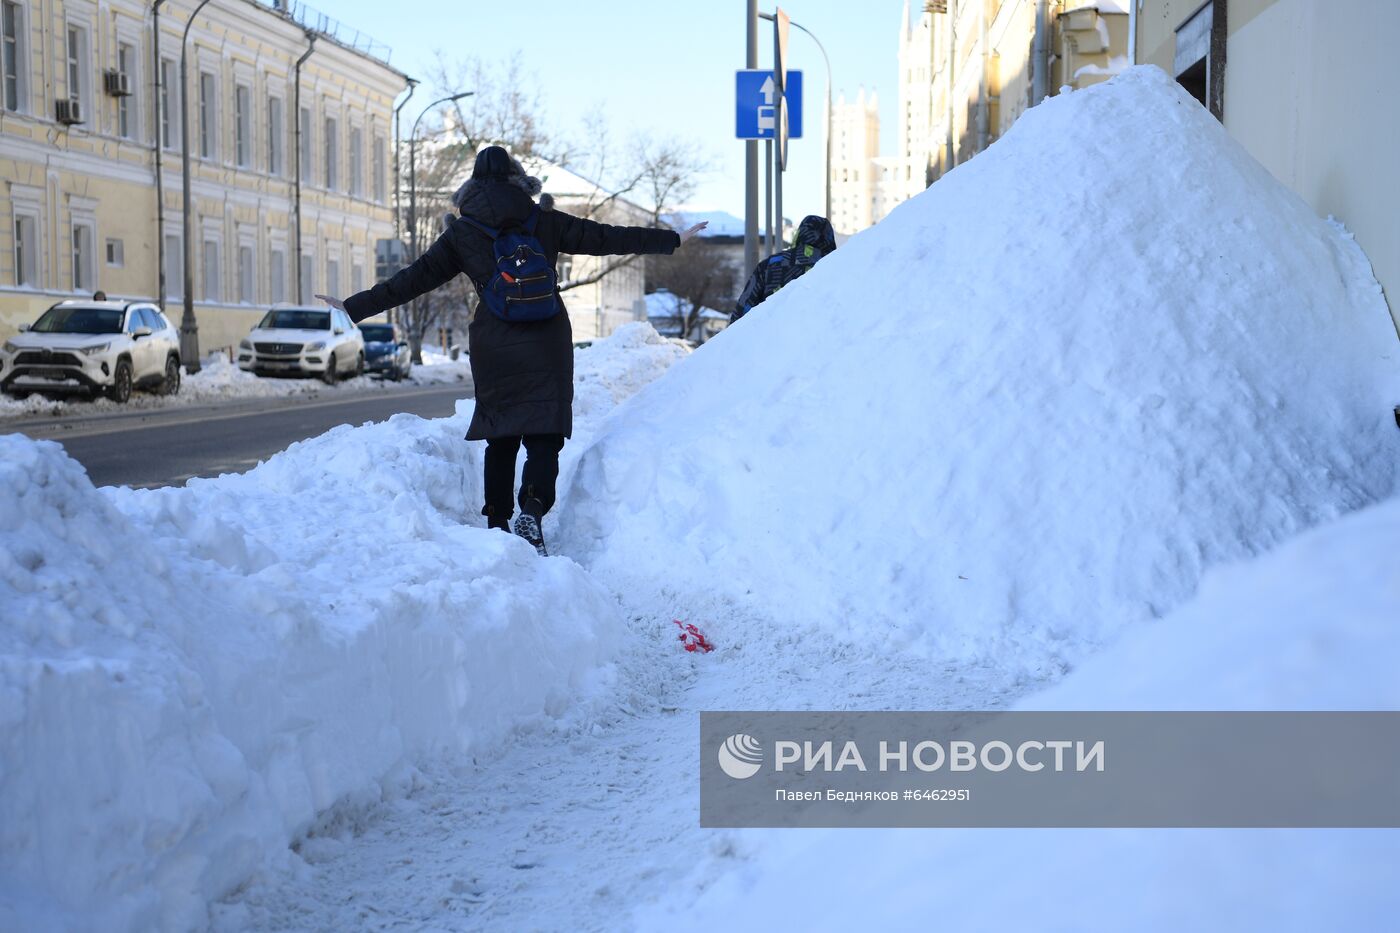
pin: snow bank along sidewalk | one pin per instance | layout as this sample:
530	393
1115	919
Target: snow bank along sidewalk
220	380
190	676
1026	410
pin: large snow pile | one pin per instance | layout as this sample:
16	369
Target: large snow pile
1311	626
190	677
1032	405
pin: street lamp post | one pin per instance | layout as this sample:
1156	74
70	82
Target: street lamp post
398	198
413	165
189	328
795	25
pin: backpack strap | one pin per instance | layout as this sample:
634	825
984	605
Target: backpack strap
493	234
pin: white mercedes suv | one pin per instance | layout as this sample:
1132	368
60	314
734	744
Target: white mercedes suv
92	347
304	341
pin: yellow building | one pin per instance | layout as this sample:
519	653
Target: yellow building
970	68
1308	88
84	107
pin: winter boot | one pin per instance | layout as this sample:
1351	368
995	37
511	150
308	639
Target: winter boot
528	524
500	522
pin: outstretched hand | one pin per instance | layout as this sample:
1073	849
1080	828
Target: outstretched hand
687	234
333	302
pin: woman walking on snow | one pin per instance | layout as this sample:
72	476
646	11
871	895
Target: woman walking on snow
523	369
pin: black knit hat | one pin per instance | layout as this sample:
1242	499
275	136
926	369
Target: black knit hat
495	162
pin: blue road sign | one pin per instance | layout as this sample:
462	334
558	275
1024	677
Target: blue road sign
756	104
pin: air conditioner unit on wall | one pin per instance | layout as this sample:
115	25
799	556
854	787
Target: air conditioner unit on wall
68	111
116	84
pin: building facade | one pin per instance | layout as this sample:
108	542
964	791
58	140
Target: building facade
89	98
1307	89
855	147
968	69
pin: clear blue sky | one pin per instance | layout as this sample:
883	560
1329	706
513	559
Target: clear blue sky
660	65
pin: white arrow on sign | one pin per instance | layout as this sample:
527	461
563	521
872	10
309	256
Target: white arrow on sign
768	90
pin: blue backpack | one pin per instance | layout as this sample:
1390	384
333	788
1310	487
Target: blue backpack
524	286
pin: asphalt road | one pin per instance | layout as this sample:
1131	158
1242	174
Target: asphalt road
165	447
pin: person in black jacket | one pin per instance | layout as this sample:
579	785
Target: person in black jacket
524	371
813	240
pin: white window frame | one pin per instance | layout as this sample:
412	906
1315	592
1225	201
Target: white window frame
129	107
114	252
308	276
174	262
277	273
333	272
216	296
380	161
306	126
243	125
168	119
208	126
247	272
77	67
331	163
27	250
276	135
83	231
14	59
355	184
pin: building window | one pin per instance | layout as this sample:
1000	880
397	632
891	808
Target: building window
174	266
304	150
275	131
333	277
116	253
208	115
84	275
1199	60
12	65
26	251
242	125
210	271
246	287
332	154
126	66
169	89
308	274
277	276
379	160
357	278
357	161
78	66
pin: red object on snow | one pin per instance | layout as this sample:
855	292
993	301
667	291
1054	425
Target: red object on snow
692	637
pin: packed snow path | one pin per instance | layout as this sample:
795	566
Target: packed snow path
576	830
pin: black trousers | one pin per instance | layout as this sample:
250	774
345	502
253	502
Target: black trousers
541	472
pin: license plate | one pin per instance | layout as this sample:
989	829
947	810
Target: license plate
50	373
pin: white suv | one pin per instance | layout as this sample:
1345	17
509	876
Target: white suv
107	347
304	341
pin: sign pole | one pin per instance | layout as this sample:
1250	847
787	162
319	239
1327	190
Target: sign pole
780	34
768	196
751	150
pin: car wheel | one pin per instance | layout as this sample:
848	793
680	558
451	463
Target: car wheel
120	389
359	366
328	377
171	384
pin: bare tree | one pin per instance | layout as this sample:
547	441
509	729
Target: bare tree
702	275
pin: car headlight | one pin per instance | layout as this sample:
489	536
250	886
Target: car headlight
10	347
93	351
244	344
318	345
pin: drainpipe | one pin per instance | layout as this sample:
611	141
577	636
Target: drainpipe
296	183
1040	82
1132	31
160	187
952	79
984	108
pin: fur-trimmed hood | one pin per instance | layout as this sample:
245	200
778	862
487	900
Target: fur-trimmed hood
493	166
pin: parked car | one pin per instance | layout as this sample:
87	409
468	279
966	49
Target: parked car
386	351
320	342
92	347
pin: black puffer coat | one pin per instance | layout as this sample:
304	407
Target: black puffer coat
524	372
